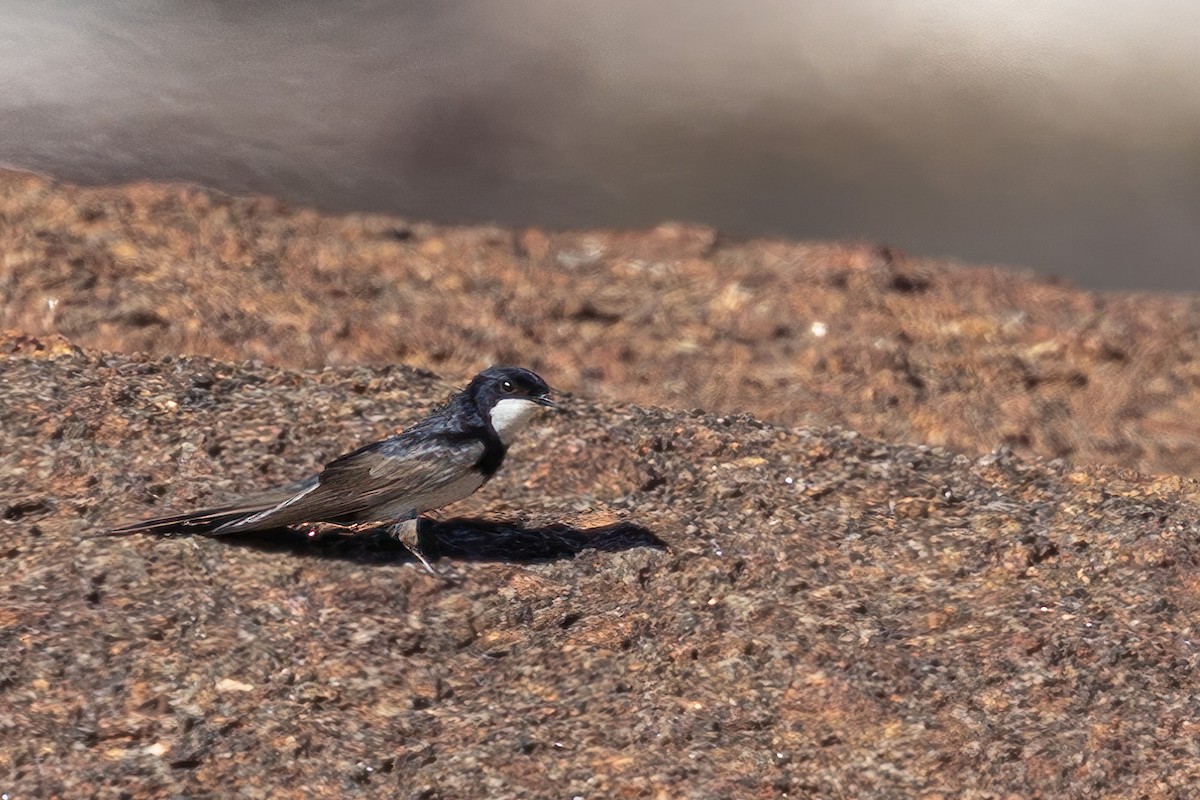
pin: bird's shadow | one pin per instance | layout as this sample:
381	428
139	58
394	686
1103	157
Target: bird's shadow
458	538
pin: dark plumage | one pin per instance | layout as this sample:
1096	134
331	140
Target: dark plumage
443	458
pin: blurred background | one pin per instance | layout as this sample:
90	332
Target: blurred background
1062	135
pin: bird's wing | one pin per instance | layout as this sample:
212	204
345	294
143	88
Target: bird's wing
378	476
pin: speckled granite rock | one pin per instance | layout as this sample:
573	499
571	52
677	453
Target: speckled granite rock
906	349
830	616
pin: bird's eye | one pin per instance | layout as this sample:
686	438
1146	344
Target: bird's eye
506	387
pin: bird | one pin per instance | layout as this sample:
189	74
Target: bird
441	459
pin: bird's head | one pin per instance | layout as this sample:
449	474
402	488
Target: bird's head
508	396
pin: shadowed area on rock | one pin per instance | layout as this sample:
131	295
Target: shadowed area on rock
455	538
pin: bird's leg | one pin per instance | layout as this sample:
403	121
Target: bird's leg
405	532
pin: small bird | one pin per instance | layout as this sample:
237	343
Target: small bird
441	459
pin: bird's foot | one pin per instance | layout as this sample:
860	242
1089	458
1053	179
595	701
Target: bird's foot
406	533
449	575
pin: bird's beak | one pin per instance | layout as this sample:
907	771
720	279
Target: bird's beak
544	400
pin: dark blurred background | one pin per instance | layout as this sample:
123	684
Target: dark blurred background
1062	135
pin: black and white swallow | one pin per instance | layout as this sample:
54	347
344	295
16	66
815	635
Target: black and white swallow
443	458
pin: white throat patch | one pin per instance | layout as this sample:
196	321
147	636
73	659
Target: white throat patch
510	414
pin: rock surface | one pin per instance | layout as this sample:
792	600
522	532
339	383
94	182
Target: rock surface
654	604
905	349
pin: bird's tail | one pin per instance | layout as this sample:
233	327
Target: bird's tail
206	520
212	520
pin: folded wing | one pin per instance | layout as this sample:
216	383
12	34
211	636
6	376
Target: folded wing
381	482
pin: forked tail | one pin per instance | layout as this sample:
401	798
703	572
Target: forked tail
210	520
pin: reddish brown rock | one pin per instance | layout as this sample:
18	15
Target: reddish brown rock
831	615
902	348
